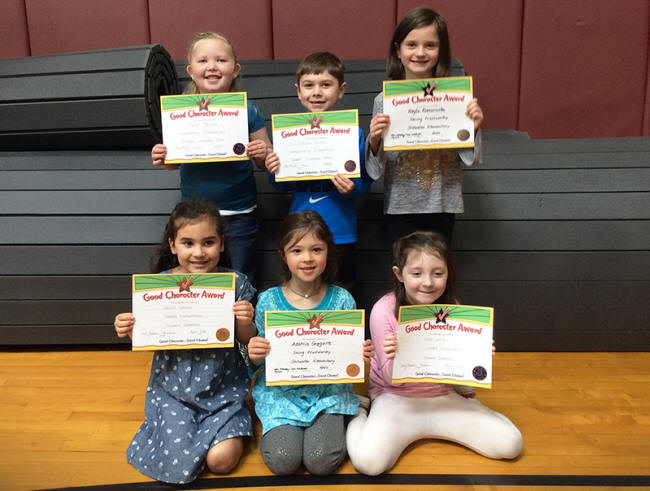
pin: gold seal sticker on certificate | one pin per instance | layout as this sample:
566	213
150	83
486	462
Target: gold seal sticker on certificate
314	347
449	344
428	113
183	311
316	145
205	127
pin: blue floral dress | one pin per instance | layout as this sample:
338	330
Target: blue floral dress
195	399
298	405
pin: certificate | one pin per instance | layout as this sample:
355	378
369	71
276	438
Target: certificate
428	113
450	344
204	127
314	347
316	145
183	311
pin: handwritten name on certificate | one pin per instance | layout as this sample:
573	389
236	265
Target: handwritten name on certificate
316	145
428	113
183	311
314	347
444	343
205	127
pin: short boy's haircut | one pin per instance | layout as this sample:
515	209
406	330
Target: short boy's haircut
320	62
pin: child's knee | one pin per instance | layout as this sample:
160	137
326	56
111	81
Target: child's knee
282	461
323	460
369	461
224	456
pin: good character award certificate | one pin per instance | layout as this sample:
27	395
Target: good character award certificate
444	343
316	145
428	113
314	347
204	127
183	311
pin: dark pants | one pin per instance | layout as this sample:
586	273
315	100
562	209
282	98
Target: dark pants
241	243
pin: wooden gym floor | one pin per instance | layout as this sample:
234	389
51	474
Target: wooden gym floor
66	418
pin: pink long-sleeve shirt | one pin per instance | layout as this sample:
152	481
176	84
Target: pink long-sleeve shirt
384	323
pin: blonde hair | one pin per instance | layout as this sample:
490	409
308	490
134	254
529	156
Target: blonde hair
202	36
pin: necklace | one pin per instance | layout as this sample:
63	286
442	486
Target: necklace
304	295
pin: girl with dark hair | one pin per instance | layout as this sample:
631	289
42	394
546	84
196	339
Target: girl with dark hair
403	413
195	409
302	424
422	188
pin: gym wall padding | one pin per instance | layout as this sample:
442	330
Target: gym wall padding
106	99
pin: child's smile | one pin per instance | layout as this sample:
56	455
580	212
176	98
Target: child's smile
197	246
319	91
213	67
419	52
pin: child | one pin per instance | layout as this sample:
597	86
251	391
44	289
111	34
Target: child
195	412
212	64
404	413
302	423
422	188
320	84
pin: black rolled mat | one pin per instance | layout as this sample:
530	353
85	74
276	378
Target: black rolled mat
90	100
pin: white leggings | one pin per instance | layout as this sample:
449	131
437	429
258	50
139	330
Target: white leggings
375	442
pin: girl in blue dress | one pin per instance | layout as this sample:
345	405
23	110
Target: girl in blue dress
195	409
302	424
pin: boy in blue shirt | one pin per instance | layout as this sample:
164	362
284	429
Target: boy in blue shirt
320	84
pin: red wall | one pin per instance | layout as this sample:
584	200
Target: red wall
552	68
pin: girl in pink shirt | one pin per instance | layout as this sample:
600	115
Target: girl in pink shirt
403	413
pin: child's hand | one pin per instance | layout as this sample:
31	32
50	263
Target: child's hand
342	184
258	349
158	156
272	163
494	348
378	125
475	113
244	314
390	347
368	351
256	149
124	324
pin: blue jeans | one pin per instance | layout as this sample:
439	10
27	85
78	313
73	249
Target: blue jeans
241	243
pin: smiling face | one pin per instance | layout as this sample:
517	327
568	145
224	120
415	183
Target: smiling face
319	91
197	246
424	276
419	52
306	259
213	66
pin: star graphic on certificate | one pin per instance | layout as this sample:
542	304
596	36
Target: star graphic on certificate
203	103
315	122
184	284
442	316
428	88
314	322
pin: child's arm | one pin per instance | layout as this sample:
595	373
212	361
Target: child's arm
124	324
258	349
244	326
158	156
378	125
382	319
259	146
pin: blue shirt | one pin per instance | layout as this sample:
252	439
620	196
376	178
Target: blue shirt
229	185
298	405
338	210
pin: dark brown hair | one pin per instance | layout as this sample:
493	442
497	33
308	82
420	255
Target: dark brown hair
191	87
419	17
185	212
320	62
431	243
294	227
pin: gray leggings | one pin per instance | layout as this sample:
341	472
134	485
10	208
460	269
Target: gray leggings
321	446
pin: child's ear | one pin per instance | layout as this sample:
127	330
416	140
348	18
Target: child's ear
342	89
236	71
171	246
398	274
